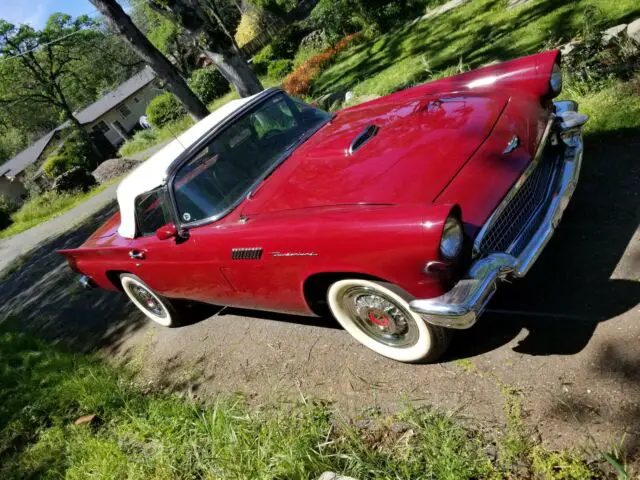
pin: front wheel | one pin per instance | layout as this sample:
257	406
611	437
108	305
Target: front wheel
154	306
377	314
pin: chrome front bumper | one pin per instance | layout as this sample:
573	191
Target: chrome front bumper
461	306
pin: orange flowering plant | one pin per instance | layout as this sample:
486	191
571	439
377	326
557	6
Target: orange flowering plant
298	82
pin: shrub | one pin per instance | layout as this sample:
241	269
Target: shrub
164	109
279	68
286	43
208	83
6	208
277	7
75	152
56	165
593	64
336	17
340	17
77	178
248	28
298	83
262	59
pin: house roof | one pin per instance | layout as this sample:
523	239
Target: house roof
29	155
115	97
32	153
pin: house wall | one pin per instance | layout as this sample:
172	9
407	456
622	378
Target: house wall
14	189
136	110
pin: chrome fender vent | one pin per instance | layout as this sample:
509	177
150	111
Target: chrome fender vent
246	253
363	137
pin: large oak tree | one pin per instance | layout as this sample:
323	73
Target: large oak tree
121	23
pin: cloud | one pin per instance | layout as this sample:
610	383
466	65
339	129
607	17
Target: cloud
25	12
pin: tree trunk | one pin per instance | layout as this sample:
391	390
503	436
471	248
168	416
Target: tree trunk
122	24
237	72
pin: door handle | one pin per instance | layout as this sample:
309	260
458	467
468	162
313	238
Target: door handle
136	254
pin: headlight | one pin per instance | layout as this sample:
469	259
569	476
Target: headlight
555	82
451	241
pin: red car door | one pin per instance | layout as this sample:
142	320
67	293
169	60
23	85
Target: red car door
175	267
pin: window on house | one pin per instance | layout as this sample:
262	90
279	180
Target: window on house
124	111
101	127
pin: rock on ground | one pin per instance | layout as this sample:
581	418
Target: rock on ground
611	33
113	168
633	31
333	476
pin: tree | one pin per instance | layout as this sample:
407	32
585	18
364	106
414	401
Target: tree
166	36
203	19
38	66
121	23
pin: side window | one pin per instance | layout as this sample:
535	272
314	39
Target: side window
151	212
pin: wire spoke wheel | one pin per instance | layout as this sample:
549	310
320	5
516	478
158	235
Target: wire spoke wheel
377	314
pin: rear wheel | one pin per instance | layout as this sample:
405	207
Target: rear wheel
156	307
377	314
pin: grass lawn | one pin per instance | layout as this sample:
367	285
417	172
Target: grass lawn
43	390
479	32
47	206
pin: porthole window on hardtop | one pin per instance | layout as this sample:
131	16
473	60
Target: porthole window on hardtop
224	170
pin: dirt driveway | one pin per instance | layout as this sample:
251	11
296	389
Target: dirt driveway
565	338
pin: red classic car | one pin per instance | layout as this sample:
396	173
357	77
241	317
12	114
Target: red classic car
400	216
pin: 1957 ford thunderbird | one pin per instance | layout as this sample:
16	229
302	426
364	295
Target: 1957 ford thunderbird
399	216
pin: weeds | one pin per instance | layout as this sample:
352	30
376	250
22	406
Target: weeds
158	435
45	207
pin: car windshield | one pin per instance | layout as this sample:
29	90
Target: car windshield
224	170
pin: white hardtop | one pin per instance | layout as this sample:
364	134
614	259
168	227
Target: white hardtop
153	172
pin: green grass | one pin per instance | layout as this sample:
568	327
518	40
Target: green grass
47	206
144	139
476	33
157	435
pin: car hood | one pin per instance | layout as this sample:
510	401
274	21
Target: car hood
420	145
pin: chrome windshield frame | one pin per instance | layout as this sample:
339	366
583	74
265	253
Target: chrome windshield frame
209	137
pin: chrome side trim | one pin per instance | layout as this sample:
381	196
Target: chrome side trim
464	303
514	190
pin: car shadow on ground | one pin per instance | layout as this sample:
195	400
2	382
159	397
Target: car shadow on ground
570	290
43	297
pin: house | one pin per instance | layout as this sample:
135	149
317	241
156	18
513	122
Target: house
110	121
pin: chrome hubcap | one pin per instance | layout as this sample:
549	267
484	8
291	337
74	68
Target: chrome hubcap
380	317
148	301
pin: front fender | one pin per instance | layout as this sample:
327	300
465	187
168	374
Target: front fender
393	243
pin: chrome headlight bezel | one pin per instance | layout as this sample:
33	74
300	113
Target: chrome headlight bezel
555	81
452	238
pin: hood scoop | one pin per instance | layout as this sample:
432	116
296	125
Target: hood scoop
363	137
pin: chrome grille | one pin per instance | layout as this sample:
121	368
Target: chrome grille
514	226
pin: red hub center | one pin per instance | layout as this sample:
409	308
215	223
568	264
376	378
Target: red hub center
378	318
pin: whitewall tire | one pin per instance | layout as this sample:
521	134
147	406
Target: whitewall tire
377	314
154	306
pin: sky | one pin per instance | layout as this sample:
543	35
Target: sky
36	12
